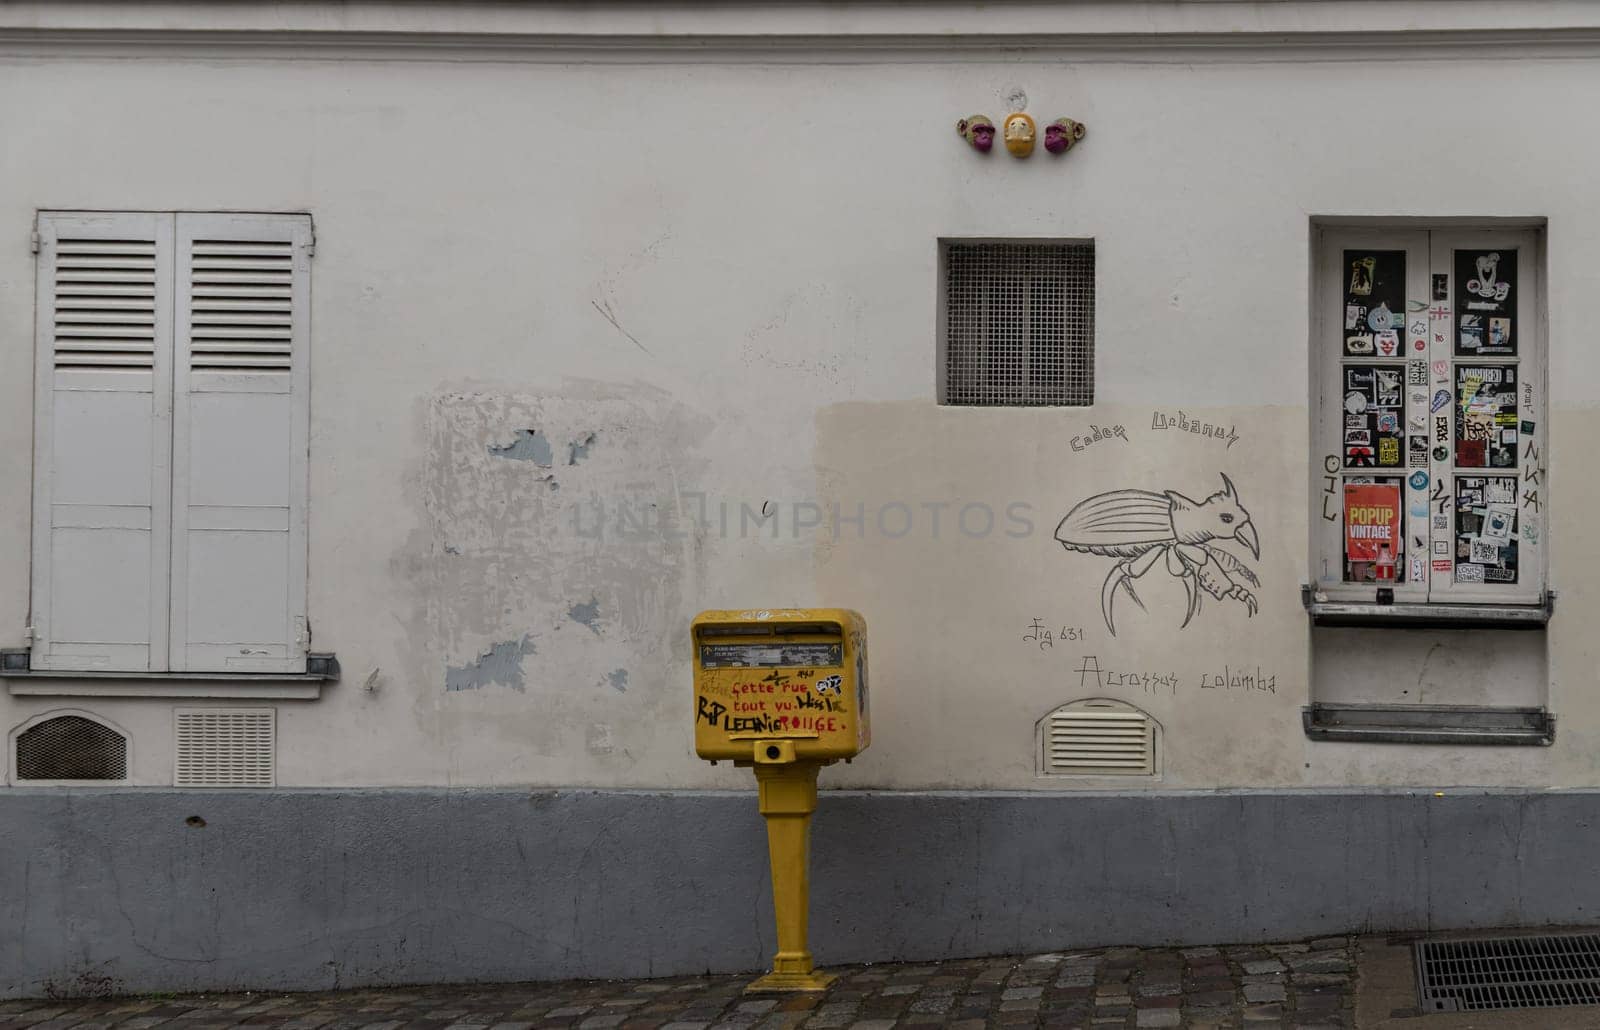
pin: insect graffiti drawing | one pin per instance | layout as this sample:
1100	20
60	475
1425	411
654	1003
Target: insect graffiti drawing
1141	528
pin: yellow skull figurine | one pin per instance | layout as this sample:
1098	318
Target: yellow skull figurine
1019	134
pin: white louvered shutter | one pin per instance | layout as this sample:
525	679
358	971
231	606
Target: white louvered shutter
102	442
240	427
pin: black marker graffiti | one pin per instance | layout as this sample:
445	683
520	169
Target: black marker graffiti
1141	527
1440	499
1533	473
1330	487
1535	469
1045	637
710	711
1149	682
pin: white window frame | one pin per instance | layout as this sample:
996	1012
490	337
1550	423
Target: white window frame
1429	250
170	388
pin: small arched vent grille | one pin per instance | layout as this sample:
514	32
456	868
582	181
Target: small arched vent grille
70	747
1098	737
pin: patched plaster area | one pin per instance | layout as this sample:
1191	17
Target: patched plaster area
535	615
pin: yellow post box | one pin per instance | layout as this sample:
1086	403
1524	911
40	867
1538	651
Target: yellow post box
783	690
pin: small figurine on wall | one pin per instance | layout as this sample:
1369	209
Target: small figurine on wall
1061	134
978	131
1020	133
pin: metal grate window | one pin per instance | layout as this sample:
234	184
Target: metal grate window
71	747
225	747
1097	737
1508	972
1019	323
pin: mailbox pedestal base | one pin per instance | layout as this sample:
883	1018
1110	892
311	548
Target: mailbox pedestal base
788	797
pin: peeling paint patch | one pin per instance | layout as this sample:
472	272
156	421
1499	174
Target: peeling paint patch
618	678
586	614
579	449
501	664
529	445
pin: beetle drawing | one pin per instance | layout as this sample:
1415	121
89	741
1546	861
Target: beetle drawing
1141	528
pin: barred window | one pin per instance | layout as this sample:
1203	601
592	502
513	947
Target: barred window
1018	326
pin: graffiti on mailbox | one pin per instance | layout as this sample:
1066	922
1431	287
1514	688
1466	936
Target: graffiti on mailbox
777	702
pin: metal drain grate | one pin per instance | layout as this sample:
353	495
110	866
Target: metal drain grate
1508	972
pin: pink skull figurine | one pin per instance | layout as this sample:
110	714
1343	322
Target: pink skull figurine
1061	134
978	131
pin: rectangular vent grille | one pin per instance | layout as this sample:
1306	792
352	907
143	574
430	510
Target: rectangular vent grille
1508	972
240	307
1019	324
225	747
105	305
1086	742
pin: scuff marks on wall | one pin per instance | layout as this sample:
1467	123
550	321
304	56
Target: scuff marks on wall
500	665
787	342
528	445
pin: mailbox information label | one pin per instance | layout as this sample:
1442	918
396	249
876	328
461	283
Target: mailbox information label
769	655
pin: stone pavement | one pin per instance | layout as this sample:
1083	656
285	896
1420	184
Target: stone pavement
1304	985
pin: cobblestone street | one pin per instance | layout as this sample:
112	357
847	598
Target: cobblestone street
1303	985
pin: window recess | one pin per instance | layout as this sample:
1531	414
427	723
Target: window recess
1430	470
170	461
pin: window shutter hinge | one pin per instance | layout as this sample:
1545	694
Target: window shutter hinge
311	246
33	241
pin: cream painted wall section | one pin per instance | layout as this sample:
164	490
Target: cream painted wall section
565	316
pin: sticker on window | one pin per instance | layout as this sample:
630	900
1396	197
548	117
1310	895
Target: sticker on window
1374	399
1485	302
1486	416
1374	301
1486	529
1373	545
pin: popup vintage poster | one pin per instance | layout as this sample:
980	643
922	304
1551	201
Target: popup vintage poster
1371	530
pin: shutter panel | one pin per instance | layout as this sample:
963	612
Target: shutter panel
102	442
240	427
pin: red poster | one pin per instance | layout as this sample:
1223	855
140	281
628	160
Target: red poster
1371	521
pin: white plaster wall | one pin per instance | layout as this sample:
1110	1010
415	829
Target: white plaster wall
725	271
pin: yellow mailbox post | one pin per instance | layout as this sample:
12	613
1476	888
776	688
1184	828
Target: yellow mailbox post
783	690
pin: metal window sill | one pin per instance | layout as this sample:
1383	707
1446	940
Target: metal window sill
1430	724
1429	615
23	681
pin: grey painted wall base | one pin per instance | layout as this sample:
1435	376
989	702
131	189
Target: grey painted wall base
106	891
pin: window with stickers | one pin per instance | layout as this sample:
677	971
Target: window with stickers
1429	484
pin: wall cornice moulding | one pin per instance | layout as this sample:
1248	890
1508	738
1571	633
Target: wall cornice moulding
583	48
